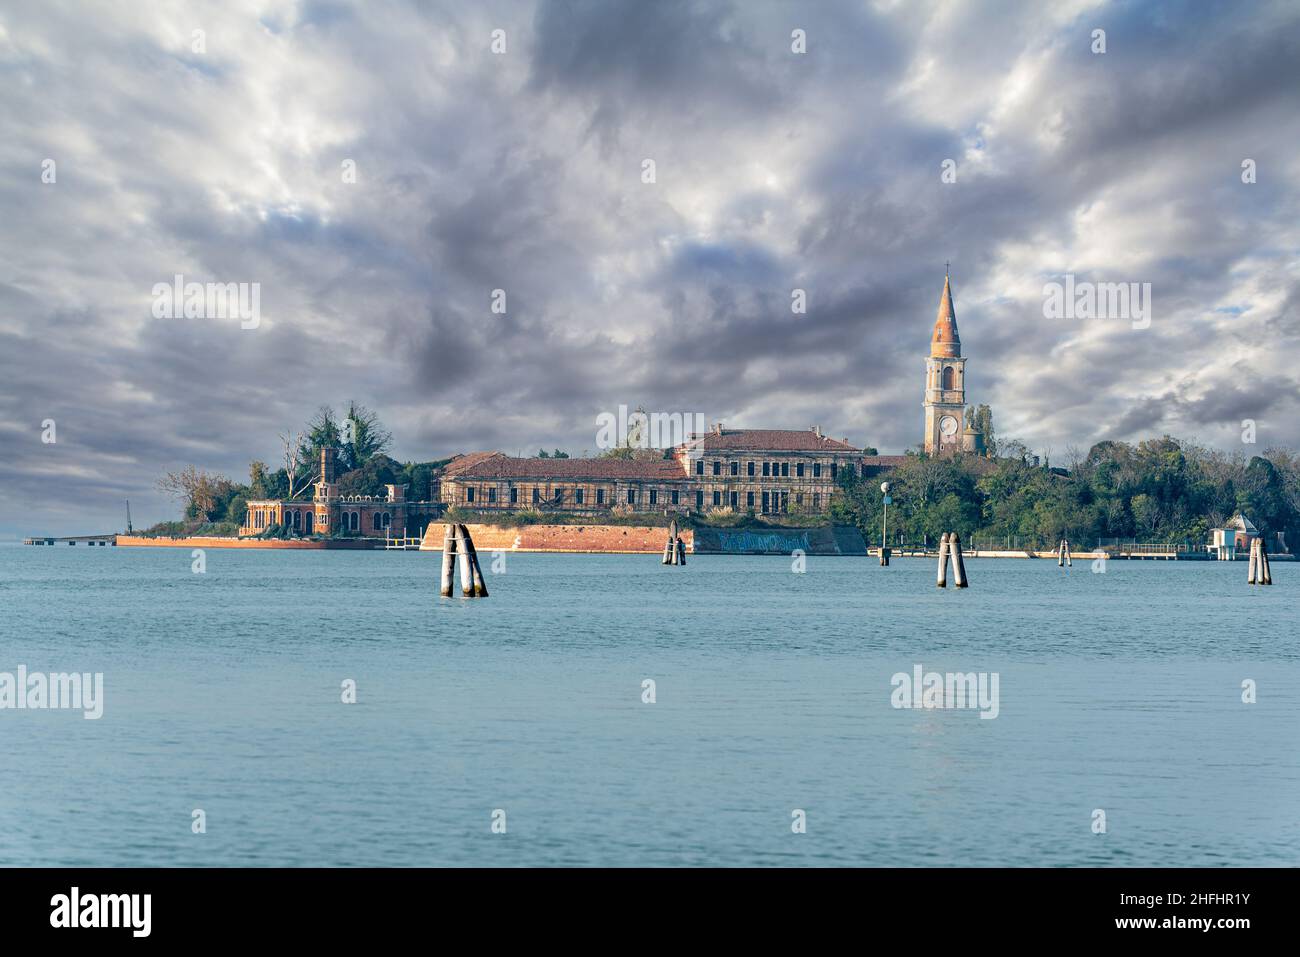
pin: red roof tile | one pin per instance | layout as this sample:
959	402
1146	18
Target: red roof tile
502	466
771	440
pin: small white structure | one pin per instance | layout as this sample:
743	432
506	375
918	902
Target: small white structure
1234	537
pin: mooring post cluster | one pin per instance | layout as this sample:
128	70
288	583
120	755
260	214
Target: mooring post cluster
1259	572
950	546
1063	554
458	548
674	548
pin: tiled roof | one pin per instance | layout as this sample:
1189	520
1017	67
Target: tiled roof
502	466
468	460
774	440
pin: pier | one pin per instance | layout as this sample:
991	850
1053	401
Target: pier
110	539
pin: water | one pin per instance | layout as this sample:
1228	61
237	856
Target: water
1118	691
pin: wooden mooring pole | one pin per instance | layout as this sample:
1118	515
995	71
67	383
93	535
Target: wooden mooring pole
942	580
1252	571
480	586
958	566
448	561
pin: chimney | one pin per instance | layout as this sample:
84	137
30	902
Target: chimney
396	493
817	431
717	428
327	465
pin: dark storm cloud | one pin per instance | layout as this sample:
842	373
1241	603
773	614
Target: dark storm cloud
523	172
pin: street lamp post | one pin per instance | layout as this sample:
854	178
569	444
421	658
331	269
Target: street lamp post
884	522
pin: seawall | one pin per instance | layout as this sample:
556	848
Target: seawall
642	539
612	539
212	541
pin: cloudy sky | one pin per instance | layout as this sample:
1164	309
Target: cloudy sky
221	156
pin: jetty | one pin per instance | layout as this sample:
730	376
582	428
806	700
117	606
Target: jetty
109	539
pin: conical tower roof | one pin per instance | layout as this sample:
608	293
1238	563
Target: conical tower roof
944	342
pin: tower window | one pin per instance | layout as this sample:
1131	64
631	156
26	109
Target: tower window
948	378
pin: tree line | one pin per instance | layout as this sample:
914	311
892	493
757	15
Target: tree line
1159	490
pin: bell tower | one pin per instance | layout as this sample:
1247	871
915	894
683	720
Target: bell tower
945	380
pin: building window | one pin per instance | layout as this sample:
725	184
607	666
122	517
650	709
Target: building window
699	498
834	469
600	496
767	469
749	500
388	520
578	496
492	493
735	499
375	520
947	377
798	499
717	498
537	496
654	496
766	500
750	469
469	495
674	497
514	495
717	468
735	468
631	496
798	470
699	467
785	469
817	470
559	496
817	500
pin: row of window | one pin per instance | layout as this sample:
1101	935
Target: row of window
771	501
770	469
304	520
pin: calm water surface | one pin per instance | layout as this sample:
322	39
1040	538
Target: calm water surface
1119	691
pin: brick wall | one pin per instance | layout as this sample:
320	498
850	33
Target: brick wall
562	538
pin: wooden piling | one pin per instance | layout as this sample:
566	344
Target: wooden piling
1265	572
669	555
884	556
680	551
480	586
448	561
1069	562
942	581
958	566
462	563
1252	572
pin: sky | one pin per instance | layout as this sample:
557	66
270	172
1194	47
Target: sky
379	169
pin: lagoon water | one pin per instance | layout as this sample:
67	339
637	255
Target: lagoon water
1118	691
